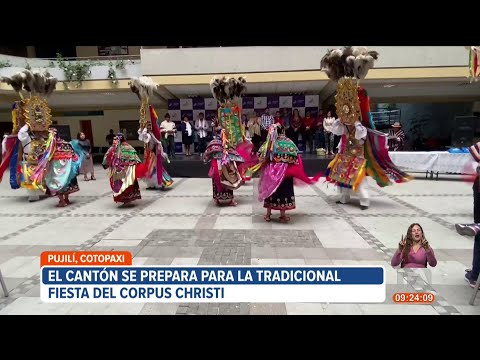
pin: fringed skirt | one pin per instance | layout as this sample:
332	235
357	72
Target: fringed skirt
222	193
283	198
167	179
61	178
130	194
71	188
152	181
124	185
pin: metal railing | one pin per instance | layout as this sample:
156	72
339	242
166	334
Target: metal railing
16	61
96	58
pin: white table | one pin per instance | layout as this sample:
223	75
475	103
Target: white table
434	162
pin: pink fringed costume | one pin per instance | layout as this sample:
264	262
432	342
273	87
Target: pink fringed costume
280	163
230	154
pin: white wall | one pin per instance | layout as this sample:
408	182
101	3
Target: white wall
100	124
286	58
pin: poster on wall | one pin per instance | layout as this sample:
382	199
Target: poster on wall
129	128
112	50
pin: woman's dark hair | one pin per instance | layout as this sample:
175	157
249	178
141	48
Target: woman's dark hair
409	241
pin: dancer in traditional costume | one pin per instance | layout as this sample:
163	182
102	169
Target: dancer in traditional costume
280	163
474	62
31	119
59	167
363	150
157	176
229	153
124	168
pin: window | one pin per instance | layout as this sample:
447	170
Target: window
112	50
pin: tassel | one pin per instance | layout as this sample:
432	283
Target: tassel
475	64
14	180
37	177
254	168
470	62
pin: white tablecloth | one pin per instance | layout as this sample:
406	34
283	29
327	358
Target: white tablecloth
436	161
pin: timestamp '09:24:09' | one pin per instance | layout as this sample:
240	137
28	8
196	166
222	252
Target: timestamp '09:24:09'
413	298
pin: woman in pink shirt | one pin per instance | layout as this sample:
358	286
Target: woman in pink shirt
413	250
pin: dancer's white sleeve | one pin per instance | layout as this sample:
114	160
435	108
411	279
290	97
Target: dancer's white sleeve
23	133
338	128
360	130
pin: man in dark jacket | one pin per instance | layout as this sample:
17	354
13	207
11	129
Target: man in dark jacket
471	275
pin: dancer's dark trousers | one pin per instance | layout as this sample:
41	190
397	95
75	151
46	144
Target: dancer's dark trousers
476	218
476	201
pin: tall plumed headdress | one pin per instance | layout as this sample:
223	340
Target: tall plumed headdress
344	66
35	83
144	87
350	62
33	110
224	89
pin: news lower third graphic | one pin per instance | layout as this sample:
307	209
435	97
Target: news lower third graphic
97	276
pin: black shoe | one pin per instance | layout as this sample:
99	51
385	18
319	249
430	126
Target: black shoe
363	207
339	202
467	229
460	228
469	280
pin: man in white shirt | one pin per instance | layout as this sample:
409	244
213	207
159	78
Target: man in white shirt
202	126
266	121
168	130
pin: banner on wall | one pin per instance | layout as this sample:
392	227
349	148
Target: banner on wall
178	108
191	108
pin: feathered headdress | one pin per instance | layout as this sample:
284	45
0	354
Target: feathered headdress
353	62
144	87
342	66
224	89
42	84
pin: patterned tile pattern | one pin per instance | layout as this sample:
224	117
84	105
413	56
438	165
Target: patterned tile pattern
321	232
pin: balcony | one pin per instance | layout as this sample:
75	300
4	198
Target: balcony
109	68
